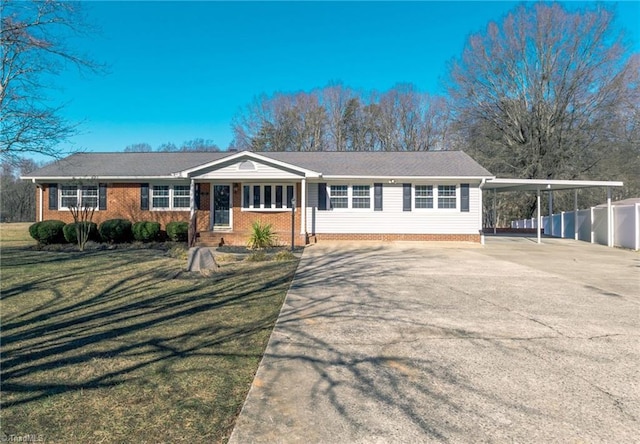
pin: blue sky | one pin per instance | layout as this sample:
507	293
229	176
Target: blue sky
182	70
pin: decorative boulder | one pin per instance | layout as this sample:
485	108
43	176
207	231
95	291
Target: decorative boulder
201	259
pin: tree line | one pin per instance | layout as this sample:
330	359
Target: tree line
198	144
340	118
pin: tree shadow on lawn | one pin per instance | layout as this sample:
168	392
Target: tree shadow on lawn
121	306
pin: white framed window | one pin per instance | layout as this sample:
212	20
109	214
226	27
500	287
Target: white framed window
181	197
361	196
350	196
78	195
447	196
267	197
423	196
170	197
339	196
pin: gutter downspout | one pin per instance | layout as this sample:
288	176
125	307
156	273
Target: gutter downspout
40	204
539	217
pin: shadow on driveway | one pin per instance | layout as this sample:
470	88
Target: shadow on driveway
402	343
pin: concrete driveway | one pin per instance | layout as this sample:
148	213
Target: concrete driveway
410	342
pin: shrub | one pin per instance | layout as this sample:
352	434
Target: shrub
146	231
71	233
33	230
261	236
178	231
115	230
48	232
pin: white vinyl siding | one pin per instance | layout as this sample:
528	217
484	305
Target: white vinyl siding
250	170
393	220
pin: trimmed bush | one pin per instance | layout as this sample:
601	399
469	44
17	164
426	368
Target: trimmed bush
48	232
33	230
146	231
71	234
115	230
178	231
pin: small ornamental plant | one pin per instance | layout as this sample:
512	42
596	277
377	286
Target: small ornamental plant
261	237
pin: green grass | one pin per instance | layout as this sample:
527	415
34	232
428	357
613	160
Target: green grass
120	346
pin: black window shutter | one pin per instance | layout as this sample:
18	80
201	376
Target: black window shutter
144	196
197	196
245	196
102	196
464	197
289	195
406	197
377	197
322	196
53	196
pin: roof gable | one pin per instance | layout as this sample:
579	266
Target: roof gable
246	165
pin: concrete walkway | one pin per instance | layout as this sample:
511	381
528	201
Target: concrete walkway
406	342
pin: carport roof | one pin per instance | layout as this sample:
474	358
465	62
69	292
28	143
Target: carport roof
499	184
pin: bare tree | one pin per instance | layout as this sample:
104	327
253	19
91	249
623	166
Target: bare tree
34	37
538	91
17	197
138	148
199	145
339	119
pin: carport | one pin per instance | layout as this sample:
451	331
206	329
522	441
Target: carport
550	185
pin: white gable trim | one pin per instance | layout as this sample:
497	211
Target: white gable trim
247	155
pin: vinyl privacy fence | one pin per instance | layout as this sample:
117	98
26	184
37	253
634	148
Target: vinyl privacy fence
590	225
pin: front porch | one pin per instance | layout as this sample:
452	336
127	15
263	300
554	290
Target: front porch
224	212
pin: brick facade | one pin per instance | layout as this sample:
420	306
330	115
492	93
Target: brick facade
123	201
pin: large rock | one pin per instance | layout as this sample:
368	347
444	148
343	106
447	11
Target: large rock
201	259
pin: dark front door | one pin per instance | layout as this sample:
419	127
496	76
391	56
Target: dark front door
221	205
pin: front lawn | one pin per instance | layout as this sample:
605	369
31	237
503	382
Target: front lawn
119	346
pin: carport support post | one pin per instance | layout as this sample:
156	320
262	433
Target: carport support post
609	219
575	214
495	212
551	212
538	215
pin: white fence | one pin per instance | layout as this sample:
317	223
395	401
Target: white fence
592	225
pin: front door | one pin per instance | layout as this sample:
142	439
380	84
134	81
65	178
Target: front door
221	204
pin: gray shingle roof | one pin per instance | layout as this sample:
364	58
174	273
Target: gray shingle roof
363	163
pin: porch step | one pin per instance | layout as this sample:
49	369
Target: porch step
218	239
